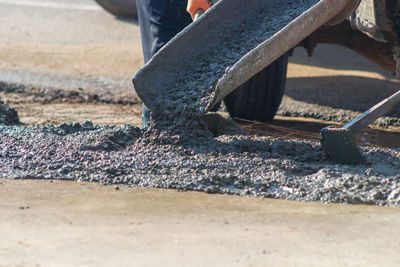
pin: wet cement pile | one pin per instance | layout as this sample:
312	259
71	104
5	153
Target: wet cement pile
183	150
232	164
8	115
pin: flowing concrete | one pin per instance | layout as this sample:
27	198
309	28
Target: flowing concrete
78	224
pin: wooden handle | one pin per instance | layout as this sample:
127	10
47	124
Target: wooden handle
195	6
380	109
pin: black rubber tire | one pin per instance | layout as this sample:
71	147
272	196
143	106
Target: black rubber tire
259	98
120	8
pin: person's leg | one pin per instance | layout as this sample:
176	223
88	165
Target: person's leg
160	21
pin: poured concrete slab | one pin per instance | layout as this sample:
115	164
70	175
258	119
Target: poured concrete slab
79	224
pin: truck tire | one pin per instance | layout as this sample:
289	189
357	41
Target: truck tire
259	98
120	8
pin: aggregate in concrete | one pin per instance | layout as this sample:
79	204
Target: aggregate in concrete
8	115
228	164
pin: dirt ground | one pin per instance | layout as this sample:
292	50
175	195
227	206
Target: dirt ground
112	114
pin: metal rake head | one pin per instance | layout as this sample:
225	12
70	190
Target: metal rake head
339	145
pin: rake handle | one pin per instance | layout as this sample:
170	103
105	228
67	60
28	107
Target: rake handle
380	109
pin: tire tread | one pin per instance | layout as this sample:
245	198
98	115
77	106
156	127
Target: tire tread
259	98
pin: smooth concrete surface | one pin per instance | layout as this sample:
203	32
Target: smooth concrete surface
79	224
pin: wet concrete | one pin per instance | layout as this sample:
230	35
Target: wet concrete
86	224
8	115
229	164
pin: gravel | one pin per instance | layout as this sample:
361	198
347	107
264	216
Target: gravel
187	151
228	164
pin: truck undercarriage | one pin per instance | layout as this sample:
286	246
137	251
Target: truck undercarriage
372	31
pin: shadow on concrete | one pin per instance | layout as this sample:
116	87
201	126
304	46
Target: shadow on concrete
337	57
128	20
343	92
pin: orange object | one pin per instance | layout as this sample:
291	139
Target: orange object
195	5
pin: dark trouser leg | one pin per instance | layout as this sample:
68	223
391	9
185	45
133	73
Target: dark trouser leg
160	21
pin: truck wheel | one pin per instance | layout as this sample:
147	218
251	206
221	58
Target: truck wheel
259	98
120	8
